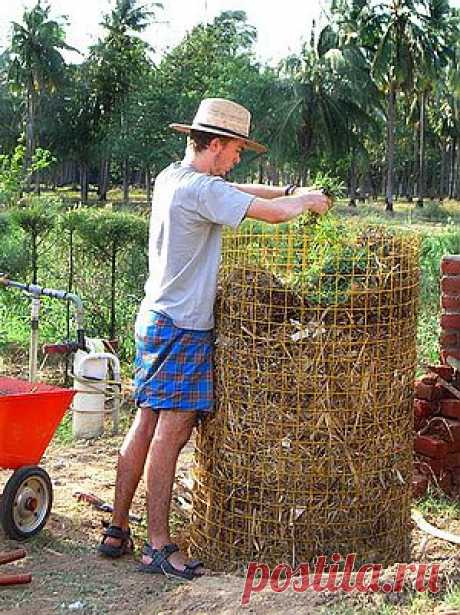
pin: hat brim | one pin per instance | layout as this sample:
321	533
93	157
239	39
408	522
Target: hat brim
253	145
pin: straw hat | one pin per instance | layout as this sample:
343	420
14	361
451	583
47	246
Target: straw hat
222	117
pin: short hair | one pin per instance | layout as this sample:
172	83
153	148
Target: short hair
200	140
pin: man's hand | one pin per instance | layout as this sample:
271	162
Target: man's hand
285	208
313	200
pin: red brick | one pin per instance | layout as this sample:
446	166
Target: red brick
450	264
445	394
445	371
424	409
419	423
449	352
429	467
419	485
456	476
450	408
447	430
426	391
450	284
431	446
428	379
450	302
449	338
450	321
452	460
436	473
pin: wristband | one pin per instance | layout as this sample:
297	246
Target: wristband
290	189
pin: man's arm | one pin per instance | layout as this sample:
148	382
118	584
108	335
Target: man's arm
284	208
261	190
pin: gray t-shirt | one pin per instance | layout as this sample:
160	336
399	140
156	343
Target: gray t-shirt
188	211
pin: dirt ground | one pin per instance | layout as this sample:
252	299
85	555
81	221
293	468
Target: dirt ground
68	576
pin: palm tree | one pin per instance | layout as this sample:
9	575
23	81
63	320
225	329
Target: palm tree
438	21
406	40
36	64
448	125
330	98
9	111
118	60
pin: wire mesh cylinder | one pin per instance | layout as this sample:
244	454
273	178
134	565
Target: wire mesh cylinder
309	451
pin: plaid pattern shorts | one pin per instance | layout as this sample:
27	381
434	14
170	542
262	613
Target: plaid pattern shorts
173	366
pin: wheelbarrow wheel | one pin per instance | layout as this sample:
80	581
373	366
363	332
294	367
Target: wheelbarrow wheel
26	502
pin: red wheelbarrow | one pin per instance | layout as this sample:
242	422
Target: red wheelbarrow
30	413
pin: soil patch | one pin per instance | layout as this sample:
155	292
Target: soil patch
69	577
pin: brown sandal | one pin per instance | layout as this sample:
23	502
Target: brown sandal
124	536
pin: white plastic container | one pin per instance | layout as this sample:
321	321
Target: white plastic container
90	376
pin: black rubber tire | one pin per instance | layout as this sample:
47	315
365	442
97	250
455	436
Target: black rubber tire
28	480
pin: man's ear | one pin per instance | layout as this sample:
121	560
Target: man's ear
215	145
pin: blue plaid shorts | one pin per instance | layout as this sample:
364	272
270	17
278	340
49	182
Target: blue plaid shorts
173	366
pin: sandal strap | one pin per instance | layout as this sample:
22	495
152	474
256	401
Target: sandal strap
114	531
168	550
193	564
159	555
161	564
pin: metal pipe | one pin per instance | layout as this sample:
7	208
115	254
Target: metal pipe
33	349
37	291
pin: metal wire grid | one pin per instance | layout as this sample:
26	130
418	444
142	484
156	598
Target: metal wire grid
309	451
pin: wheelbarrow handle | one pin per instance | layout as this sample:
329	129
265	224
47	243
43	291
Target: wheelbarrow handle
12	556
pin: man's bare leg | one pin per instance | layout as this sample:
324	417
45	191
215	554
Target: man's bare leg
172	432
131	460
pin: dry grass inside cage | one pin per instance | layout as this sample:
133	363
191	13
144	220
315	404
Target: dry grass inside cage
309	451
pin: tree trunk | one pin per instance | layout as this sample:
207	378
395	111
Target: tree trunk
413	173
453	148
384	181
456	190
83	182
69	290
353	182
37	180
442	173
148	183
390	148
34	259
421	153
30	137
104	180
125	180
113	328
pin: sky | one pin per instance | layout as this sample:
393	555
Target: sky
281	25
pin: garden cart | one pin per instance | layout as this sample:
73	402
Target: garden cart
29	416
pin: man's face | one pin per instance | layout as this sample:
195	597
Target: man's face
227	155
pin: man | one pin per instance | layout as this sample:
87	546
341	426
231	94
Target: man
173	380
